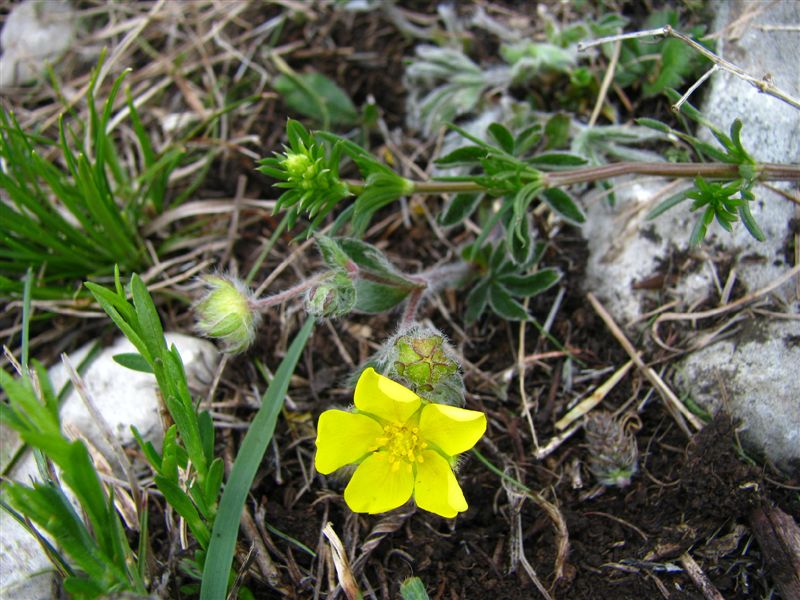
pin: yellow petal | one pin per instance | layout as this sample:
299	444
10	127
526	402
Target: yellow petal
384	398
452	429
344	438
377	487
436	489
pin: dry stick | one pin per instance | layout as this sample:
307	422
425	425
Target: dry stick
670	399
523	395
342	565
261	557
597	396
699	578
763	85
607	79
676	316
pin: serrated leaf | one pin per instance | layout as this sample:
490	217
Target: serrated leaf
504	305
133	361
564	205
459	209
502	136
530	285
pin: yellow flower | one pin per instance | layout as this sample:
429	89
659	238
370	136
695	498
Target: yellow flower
402	446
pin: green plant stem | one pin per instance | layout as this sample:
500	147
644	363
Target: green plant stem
764	172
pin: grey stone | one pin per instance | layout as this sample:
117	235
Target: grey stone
35	33
753	377
758	372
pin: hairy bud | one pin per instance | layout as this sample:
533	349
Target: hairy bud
226	313
335	296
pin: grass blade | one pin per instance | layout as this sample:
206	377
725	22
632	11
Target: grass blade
226	526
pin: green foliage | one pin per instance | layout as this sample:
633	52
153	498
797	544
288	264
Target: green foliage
512	168
413	589
97	559
308	173
317	96
502	282
655	66
727	203
379	285
251	452
73	223
189	443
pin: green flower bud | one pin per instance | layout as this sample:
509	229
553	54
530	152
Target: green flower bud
334	297
420	358
226	313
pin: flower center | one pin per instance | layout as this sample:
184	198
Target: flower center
402	443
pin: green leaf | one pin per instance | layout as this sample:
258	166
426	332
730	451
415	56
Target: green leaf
373	261
317	96
413	589
504	305
251	452
676	65
374	298
464	156
653	124
477	299
557	159
502	136
564	205
133	361
530	285
667	203
183	505
459	209
331	253
557	131
750	223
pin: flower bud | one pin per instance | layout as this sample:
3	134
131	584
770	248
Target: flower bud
420	358
613	454
334	297
225	313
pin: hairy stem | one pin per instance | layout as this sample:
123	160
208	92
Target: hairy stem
714	170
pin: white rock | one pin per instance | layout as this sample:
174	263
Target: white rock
124	398
625	249
36	32
758	373
761	389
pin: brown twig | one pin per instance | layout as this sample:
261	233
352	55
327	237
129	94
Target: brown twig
673	404
703	583
763	84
